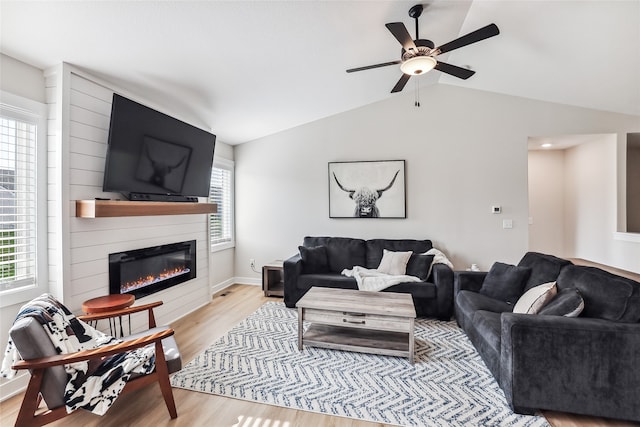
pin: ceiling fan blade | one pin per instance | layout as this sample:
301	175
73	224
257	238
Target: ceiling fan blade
473	37
368	67
454	70
400	85
400	32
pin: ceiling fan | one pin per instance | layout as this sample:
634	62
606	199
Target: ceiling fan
419	56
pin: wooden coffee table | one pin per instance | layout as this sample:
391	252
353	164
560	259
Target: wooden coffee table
353	320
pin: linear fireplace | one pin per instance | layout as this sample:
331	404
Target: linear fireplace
142	272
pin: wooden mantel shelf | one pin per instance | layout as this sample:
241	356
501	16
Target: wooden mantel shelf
113	208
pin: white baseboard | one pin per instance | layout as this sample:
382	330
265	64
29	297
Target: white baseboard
248	281
214	289
10	388
627	237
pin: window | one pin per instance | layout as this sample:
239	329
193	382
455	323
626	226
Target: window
221	234
22	216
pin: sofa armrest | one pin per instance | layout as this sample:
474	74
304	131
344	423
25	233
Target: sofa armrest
292	269
468	281
442	277
581	365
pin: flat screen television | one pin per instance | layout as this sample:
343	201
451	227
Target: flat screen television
155	157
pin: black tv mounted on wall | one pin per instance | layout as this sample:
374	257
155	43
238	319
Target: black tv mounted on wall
155	157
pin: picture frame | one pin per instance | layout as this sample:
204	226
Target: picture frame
367	189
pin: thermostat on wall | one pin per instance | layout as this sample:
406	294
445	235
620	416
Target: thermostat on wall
496	209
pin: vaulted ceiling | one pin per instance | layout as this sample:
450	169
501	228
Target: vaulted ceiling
246	69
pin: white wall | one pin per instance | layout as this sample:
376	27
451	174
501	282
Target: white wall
574	192
546	202
590	198
633	184
21	79
221	263
466	150
590	206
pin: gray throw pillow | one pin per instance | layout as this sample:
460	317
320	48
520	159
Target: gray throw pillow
314	259
505	282
568	303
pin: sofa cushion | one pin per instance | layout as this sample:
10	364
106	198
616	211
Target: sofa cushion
314	259
419	266
310	241
394	263
486	336
505	282
326	280
344	253
489	326
469	301
533	300
423	290
605	295
375	248
544	268
567	303
632	314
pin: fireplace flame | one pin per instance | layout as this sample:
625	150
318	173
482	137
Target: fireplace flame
141	282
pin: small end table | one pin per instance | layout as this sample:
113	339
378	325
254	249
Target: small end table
110	303
273	279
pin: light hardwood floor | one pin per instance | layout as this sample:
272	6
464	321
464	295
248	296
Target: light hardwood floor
193	334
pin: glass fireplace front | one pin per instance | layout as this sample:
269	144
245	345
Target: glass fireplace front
142	272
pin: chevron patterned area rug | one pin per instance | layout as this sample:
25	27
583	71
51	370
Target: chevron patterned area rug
448	385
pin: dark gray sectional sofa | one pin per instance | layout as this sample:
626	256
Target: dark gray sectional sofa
586	364
432	297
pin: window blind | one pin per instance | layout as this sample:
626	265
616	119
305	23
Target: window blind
221	193
18	184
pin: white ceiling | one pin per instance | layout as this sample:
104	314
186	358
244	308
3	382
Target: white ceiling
561	142
248	69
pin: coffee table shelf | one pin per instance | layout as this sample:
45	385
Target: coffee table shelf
360	340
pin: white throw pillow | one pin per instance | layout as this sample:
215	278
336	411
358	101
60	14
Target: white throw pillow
532	301
394	263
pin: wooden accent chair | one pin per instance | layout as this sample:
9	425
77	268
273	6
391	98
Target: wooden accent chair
48	376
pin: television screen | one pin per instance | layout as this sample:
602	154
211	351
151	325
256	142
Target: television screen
153	156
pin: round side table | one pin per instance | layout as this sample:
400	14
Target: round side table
110	303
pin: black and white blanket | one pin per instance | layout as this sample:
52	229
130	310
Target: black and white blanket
94	391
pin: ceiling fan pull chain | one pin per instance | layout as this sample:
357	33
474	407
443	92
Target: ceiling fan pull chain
417	101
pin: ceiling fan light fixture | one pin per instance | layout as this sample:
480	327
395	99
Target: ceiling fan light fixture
418	65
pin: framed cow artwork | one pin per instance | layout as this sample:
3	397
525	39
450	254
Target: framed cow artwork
369	189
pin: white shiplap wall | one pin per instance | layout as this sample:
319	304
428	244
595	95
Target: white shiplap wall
53	94
79	247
